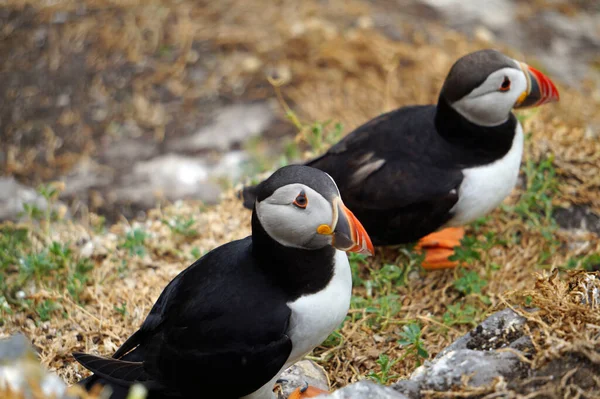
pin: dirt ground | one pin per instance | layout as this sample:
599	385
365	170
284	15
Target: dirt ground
332	64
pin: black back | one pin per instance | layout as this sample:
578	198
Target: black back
400	173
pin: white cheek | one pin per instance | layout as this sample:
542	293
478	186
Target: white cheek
486	106
487	110
291	226
284	224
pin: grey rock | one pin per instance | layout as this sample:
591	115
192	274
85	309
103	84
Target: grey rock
577	217
305	371
476	354
497	331
232	125
496	14
410	389
564	44
482	367
169	176
19	366
14	348
127	150
364	390
13	195
84	175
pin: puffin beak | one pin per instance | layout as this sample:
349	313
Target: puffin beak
540	89
348	233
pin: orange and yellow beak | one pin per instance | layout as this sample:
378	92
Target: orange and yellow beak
348	233
540	89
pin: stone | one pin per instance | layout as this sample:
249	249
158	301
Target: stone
577	217
499	330
304	371
476	354
170	176
13	195
19	366
482	367
232	125
410	389
364	390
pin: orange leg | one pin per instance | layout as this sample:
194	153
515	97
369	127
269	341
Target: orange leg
439	246
306	392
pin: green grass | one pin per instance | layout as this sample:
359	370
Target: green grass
322	135
46	308
29	259
134	242
121	309
535	208
181	226
411	340
384	376
461	313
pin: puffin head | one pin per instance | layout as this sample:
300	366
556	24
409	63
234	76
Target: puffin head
486	85
300	207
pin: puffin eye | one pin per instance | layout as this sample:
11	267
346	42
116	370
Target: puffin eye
505	84
301	201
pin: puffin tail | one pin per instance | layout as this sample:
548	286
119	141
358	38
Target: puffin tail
248	196
118	375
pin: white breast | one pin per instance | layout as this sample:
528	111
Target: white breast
485	187
316	316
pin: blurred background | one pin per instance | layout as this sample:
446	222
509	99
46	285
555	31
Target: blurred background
130	103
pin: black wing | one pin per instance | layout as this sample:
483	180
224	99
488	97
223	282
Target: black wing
220	317
394	173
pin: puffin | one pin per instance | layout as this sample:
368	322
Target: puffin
230	323
419	173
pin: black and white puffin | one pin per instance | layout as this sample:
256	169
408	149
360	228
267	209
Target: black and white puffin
412	171
232	321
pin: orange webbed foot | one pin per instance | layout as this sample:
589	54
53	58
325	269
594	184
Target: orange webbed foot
439	246
306	391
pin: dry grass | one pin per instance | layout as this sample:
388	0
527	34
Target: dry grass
333	65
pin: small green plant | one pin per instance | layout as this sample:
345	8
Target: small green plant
410	338
471	283
32	211
134	242
385	279
535	205
379	310
334	339
35	265
195	253
383	376
121	309
5	309
46	308
591	262
467	252
57	266
50	193
356	260
78	277
459	314
321	136
587	262
181	226
471	248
